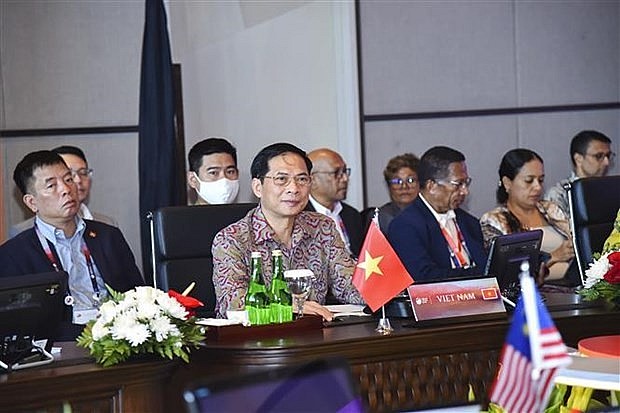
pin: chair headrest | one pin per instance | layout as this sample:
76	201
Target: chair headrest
188	231
596	199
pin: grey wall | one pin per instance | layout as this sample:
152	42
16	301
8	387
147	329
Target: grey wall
264	71
74	64
256	72
421	57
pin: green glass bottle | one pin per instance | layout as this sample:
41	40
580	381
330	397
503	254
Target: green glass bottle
256	299
279	296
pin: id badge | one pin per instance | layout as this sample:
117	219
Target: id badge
84	316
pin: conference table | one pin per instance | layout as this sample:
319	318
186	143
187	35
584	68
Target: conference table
413	367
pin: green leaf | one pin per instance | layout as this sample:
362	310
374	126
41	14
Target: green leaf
108	351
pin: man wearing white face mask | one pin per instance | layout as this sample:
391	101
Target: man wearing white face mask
213	172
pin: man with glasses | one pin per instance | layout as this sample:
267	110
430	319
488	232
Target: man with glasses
434	237
281	181
93	254
82	176
213	172
330	181
591	154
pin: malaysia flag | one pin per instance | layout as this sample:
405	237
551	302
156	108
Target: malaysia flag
531	355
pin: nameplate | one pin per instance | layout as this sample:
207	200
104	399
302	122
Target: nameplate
460	300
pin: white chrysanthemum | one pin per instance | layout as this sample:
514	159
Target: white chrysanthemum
138	334
130	295
148	310
107	311
123	324
126	303
172	307
99	330
146	294
597	270
162	327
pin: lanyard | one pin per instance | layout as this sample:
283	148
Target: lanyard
343	229
458	250
89	264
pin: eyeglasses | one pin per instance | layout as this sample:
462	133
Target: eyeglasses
284	180
458	184
82	173
410	180
338	173
602	155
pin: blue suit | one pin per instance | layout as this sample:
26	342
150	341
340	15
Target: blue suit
23	255
417	239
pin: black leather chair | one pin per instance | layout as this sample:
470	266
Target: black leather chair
182	237
367	215
594	203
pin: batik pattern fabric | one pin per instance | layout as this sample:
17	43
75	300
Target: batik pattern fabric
315	245
501	221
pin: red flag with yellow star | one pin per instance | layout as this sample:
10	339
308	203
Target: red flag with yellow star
379	275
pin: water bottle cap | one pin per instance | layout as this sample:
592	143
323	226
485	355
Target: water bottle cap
298	273
276	253
255	254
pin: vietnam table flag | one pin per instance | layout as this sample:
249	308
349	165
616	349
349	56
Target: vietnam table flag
379	274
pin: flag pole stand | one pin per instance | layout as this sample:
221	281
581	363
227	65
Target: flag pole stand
384	327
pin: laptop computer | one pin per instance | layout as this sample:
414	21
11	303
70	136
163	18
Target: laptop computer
31	308
506	255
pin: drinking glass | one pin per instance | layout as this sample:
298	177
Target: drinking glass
299	283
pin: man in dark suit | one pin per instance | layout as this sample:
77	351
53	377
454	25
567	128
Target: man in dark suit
434	238
92	253
330	181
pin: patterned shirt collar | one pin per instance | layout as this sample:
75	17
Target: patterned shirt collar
263	233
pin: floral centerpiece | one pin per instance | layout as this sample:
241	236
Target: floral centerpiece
603	276
142	321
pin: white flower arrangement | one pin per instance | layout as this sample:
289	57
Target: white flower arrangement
141	321
597	270
603	279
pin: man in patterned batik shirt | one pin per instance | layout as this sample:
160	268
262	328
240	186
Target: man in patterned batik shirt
281	180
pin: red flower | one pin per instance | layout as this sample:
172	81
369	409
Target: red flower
613	275
190	303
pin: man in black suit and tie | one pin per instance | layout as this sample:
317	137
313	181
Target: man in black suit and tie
92	253
330	181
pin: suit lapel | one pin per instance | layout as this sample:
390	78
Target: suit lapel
434	230
91	237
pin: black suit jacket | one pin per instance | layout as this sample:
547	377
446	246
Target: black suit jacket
353	224
416	237
23	255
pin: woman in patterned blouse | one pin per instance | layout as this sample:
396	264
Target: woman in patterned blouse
281	180
519	194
